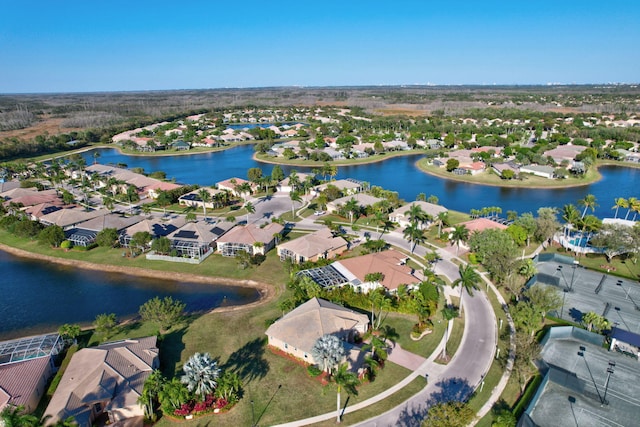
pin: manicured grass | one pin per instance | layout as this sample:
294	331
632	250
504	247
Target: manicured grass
310	163
237	339
455	335
403	325
270	271
380	407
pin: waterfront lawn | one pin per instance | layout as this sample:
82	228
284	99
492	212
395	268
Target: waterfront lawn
237	339
270	271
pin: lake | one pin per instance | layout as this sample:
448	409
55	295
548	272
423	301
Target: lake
398	174
38	296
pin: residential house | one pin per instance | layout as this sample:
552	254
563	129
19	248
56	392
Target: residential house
196	239
194	200
400	215
232	184
250	238
364	201
26	365
543	171
564	153
71	217
392	264
346	186
297	331
321	244
107	379
285	186
499	168
155	227
84	234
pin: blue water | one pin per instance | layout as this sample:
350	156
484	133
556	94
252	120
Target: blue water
38	297
398	174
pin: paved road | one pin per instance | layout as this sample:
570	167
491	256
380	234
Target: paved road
460	377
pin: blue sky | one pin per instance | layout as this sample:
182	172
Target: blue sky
80	46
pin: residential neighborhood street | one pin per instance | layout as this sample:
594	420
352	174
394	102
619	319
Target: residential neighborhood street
456	380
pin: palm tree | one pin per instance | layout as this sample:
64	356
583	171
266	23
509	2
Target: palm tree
442	219
295	197
294	181
15	416
96	156
201	374
621	202
173	394
328	351
205	196
152	387
460	234
347	379
414	234
469	279
629	206
416	215
448	313
352	208
634	205
250	209
589	202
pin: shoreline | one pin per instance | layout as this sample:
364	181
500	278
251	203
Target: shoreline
336	163
524	186
266	292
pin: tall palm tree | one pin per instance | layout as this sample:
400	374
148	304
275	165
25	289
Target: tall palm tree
448	313
250	209
205	196
414	234
469	279
416	215
328	351
589	202
347	380
460	234
294	180
621	202
634	206
295	197
201	374
352	208
629	206
150	391
442	219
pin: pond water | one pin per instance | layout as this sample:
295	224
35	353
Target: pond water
38	296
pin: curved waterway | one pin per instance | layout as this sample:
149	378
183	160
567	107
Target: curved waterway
398	174
38	296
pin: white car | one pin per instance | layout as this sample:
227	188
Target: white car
318	213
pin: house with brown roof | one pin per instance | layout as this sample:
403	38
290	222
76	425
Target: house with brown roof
250	238
231	184
297	331
321	244
155	227
105	379
390	263
69	218
26	365
346	186
84	234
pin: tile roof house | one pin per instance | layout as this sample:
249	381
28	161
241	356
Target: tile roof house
26	364
196	239
347	186
105	379
84	234
399	216
297	331
321	244
392	264
69	218
251	238
155	227
364	201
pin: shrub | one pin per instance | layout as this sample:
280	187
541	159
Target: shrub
66	244
313	370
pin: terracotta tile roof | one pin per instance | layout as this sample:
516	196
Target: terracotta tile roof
316	243
480	224
250	234
390	263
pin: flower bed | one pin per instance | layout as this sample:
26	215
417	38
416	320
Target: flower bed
210	405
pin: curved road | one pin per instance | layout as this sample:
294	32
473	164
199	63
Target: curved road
454	381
